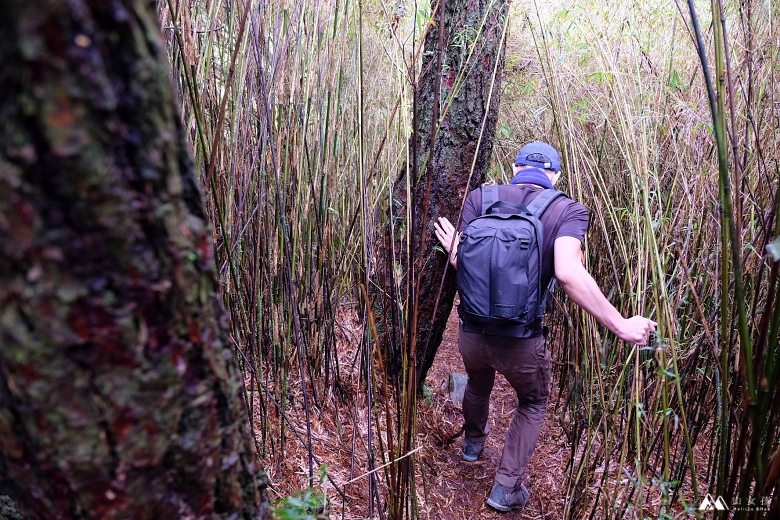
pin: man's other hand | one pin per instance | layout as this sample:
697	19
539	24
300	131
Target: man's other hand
636	330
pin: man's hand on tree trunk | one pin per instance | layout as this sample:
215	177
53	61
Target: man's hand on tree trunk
449	238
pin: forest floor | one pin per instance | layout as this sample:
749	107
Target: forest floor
448	488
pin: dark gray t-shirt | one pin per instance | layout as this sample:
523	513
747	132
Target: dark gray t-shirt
564	218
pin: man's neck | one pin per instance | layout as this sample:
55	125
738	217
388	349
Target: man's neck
534	176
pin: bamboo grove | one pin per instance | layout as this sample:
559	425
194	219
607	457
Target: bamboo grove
299	115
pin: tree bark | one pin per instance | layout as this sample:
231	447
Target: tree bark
442	160
119	394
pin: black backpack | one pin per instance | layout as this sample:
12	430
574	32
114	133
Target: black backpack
500	267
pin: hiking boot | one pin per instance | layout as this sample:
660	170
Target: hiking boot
503	499
471	450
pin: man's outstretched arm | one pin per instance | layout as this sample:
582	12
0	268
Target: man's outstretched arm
582	288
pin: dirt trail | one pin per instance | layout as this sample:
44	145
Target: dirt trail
455	489
447	487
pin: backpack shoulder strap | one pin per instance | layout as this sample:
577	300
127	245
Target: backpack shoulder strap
517	208
542	201
489	196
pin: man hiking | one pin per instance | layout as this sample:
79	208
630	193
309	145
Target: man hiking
524	361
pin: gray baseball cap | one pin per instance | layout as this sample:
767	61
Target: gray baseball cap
539	154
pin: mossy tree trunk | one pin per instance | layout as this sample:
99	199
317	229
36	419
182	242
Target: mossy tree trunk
454	106
119	395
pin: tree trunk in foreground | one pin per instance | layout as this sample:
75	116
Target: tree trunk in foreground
119	396
443	175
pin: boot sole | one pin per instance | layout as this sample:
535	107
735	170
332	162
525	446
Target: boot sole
502	508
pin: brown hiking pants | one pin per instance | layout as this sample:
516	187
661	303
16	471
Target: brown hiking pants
526	365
